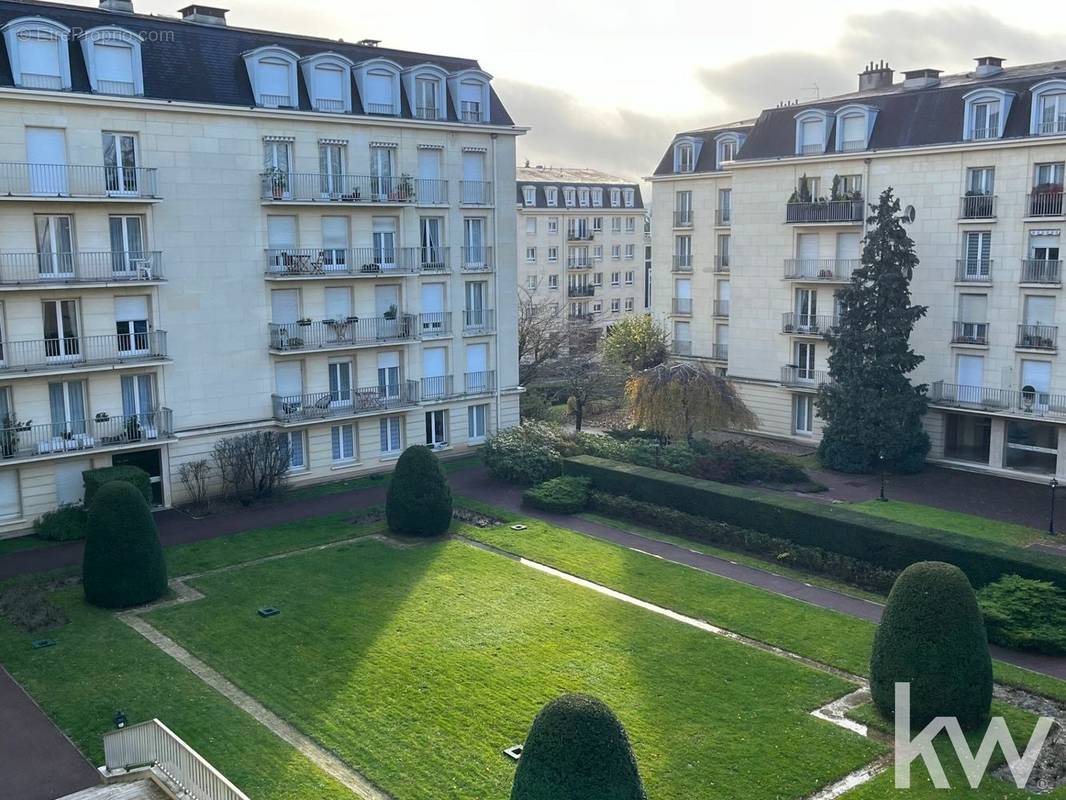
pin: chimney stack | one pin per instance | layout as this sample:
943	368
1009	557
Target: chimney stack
875	76
205	15
921	78
122	6
987	66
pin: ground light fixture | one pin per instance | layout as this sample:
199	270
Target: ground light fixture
38	644
268	611
881	463
514	752
519	527
120	719
1053	485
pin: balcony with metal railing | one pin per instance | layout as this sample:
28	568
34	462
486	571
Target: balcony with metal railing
969	333
20	180
825	211
29	441
1026	402
836	270
721	263
719	352
683	218
439	387
479	382
1044	202
477	259
681	305
721	308
72	353
475	193
434	323
802	377
973	270
580	235
316	187
1038	337
35	269
580	290
682	262
1050	127
1042	271
579	262
977	206
380	109
681	347
479	320
344	403
427	112
328	105
808	324
331	262
337	334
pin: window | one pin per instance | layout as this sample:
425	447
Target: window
725	206
277	155
980	181
427	98
597	224
553	281
331	167
616	200
272	72
805	354
629	197
38	53
340	370
473	187
425	91
531	282
327	78
470	94
597	279
531	226
477	422
631	224
631	251
802	414
616	305
55	244
985	121
531	255
616	252
529	195
1048	114
629	278
113	60
726	151
297	454
977	265
597	252
568	196
686	153
583	197
131	324
553	255
850	185
1031	446
597	306
629	304
342	439
616	278
382	170
597	197
389	374
378	81
128	256
10	506
553	224
551	197
616	224
66	402
391	432
120	163
811	131
854	125
61	330
437	428
985	113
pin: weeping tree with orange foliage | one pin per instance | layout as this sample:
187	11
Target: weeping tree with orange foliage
679	399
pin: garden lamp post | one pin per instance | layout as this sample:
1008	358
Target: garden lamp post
881	462
1053	485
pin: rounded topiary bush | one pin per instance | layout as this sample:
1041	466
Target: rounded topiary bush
577	750
419	501
123	564
932	636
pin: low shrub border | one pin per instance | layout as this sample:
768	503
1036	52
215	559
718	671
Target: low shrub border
891	545
729	537
558	495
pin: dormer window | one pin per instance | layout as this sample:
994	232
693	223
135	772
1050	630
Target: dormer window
529	195
726	147
551	196
327	77
378	81
686	153
583	197
597	198
628	195
113	60
1049	108
812	132
854	125
616	198
38	53
470	94
425	91
986	113
272	72
569	196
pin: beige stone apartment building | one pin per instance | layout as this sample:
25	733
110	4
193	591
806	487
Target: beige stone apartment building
580	243
764	221
209	230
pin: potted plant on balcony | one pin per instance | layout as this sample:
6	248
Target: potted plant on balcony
279	183
133	430
9	440
390	312
1046	199
978	203
405	189
304	322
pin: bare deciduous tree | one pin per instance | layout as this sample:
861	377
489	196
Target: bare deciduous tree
541	334
195	476
584	377
253	465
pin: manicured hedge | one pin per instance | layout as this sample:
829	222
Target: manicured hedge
93	479
65	524
892	545
559	495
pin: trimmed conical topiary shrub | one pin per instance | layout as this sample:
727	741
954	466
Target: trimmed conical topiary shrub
419	501
123	564
577	750
932	635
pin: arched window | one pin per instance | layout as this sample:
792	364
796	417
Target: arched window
328	78
1048	116
113	60
272	72
727	145
425	86
686	154
985	113
854	125
812	131
470	95
38	53
378	81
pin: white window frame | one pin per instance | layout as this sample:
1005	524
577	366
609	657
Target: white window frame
553	255
998	100
531	255
869	117
472	433
551	198
529	195
686	155
337	432
387	423
310	68
597	197
431	419
1048	88
629	197
24	28
272	54
553	281
456	80
410	78
378	67
301	465
727	145
569	196
112	35
815	115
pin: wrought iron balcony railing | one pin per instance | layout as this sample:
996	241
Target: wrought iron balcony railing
103	431
81	267
824	211
1039	270
977	206
345	403
338	333
820	269
479	320
973	270
1026	402
18	179
475	193
792	375
1038	337
808	324
969	333
74	352
319	187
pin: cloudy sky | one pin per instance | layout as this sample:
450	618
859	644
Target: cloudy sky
605	84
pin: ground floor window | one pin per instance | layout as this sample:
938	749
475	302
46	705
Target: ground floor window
391	436
803	414
343	441
437	428
477	421
10	507
297	456
1031	447
967	437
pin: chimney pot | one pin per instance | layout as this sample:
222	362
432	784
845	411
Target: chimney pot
875	76
205	15
122	6
987	66
921	78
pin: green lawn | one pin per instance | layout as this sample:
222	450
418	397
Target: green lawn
953	521
418	666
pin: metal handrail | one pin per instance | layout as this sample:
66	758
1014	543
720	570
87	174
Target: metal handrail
824	211
103	430
344	403
71	352
322	187
323	334
1039	270
986	398
808	324
822	269
116	265
76	180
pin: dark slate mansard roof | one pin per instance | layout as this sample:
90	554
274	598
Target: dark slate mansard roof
542	201
906	117
199	63
708	151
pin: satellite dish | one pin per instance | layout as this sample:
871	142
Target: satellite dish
909	214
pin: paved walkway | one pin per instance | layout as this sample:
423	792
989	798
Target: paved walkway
37	762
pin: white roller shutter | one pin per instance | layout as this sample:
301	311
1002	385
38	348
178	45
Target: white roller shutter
129	308
477	357
433	362
284	306
114	63
70	486
338	302
432	298
288	378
